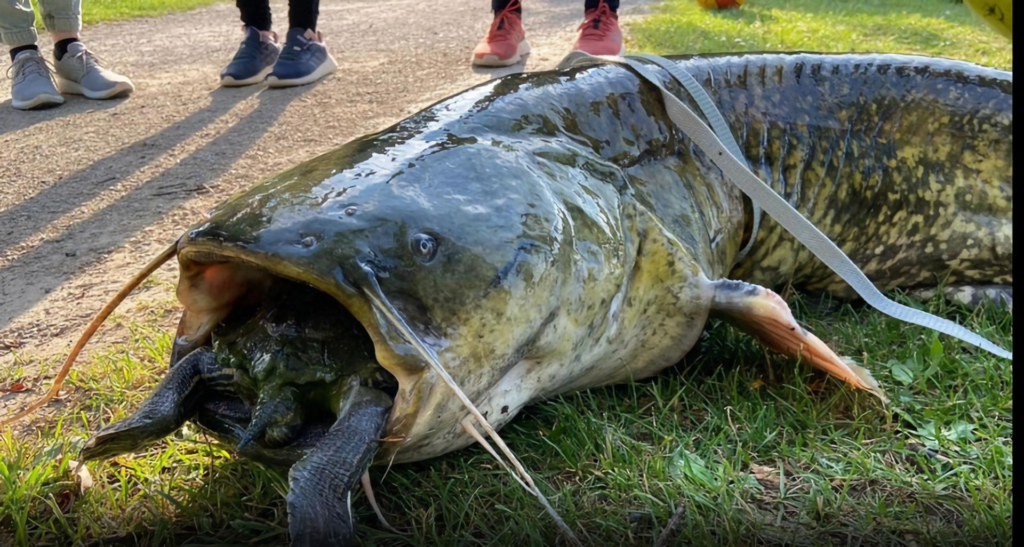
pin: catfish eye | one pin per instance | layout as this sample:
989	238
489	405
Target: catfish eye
424	247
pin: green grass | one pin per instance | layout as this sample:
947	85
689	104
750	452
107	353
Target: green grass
754	448
98	11
752	445
938	28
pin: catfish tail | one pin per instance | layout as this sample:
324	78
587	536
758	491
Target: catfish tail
905	162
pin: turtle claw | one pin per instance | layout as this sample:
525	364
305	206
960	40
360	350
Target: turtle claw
276	421
320	485
172	402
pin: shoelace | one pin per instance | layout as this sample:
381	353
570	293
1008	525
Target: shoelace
293	51
599	23
253	52
88	59
248	53
500	30
29	64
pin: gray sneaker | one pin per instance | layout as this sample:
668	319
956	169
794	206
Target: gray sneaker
80	73
32	85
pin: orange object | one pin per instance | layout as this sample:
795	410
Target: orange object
600	33
505	43
720	4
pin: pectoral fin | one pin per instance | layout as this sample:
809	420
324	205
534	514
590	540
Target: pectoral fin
763	314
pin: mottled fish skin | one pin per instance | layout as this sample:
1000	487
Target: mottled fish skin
906	164
578	230
555	272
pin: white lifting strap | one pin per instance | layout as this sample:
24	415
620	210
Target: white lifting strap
717	123
762	195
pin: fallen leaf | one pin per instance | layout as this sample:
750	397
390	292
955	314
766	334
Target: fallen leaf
64	498
15	388
761	472
82	475
768	477
10	343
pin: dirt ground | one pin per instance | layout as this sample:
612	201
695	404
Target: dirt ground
91	190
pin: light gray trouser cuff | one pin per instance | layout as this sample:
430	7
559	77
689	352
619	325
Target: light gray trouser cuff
17	20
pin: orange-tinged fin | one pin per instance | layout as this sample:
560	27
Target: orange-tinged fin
130	286
763	314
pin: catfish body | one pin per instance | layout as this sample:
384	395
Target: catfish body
555	231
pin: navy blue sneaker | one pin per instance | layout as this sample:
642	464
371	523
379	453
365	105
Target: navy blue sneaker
253	61
304	59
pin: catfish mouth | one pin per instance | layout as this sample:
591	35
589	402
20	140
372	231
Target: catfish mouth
221	286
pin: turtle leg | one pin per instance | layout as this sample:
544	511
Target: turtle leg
227	418
276	420
174	400
763	314
320	485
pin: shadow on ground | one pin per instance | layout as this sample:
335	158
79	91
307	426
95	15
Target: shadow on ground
117	222
12	120
37	212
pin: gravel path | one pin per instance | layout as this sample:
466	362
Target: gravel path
90	191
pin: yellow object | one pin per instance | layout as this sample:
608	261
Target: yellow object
997	13
720	4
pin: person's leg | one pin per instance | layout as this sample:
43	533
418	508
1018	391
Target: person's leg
258	52
31	83
63	19
255	13
78	70
505	43
305	58
17	25
589	5
600	33
498	6
303	14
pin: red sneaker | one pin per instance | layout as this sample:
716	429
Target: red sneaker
505	44
600	33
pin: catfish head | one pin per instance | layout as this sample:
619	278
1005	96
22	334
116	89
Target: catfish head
448	225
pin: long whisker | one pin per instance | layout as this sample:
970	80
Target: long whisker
383	305
130	286
468	426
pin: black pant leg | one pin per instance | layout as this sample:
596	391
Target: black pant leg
592	4
498	6
303	13
255	13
